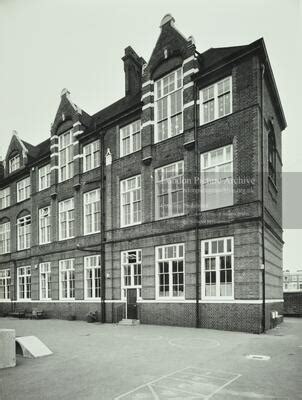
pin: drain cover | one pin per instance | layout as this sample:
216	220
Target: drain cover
258	357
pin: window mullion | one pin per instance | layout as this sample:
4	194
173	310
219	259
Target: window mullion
217	276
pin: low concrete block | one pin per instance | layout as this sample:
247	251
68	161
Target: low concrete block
7	348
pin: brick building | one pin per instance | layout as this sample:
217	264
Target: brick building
292	281
162	207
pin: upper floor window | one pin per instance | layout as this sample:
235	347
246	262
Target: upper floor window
217	268
23	189
24	232
65	156
92	212
131	274
67	279
92	277
131	207
24	283
14	163
169	190
272	156
45	281
66	219
217	178
5	238
168	106
5	282
130	138
44	225
4	198
216	100
44	177
92	157
170	271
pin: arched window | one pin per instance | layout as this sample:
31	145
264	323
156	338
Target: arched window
272	155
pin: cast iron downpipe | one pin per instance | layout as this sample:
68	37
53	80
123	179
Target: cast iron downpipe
103	238
262	200
197	202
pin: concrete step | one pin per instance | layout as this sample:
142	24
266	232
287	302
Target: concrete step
126	321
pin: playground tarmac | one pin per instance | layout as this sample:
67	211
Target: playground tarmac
100	362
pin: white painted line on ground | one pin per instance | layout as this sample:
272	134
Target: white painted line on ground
195	343
223	386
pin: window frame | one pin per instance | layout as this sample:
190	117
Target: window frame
131	135
13	165
139	261
23	185
215	98
25	235
5	198
46	175
69	288
5	282
94	278
6	237
95	214
168	96
203	206
170	191
68	220
47	280
132	202
88	150
69	165
47	228
170	260
26	283
217	267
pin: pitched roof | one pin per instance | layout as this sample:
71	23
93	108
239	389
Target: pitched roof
214	55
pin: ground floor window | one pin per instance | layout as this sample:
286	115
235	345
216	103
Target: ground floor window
217	268
131	271
45	281
170	271
67	279
24	283
92	277
5	282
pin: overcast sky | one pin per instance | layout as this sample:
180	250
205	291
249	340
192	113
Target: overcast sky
47	45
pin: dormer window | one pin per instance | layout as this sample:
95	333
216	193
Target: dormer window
168	106
14	163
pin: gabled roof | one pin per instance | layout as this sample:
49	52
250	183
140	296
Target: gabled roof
216	54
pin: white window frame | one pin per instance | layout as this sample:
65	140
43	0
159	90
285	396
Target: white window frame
45	225
92	203
25	273
44	177
45	280
5	237
162	179
217	256
129	132
125	263
206	164
93	264
129	197
159	96
5	282
14	163
91	151
66	170
24	230
67	266
23	189
160	256
204	99
67	206
4	198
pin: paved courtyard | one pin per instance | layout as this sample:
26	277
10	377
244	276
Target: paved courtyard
100	362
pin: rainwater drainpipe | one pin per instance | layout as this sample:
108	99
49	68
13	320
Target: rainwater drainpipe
103	238
262	199
197	202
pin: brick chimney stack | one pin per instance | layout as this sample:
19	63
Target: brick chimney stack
133	71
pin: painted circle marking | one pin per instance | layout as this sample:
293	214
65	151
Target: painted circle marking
194	343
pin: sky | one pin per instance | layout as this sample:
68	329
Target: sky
48	45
